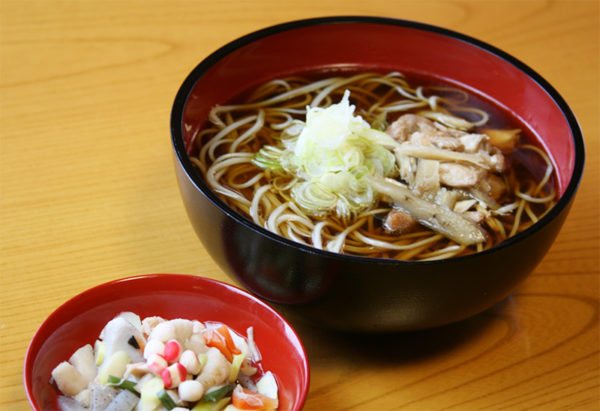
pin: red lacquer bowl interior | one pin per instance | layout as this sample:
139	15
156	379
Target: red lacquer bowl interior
80	320
384	45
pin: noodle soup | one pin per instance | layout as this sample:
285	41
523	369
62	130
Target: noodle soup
378	165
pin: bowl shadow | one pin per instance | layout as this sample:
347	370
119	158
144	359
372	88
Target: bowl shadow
399	348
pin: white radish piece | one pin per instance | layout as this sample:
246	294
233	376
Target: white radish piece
68	380
83	360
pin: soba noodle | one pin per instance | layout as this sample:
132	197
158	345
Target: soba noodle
239	154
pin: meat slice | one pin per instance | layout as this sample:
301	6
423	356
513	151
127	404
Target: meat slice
475	216
458	175
494	186
407	124
437	140
398	222
498	162
471	143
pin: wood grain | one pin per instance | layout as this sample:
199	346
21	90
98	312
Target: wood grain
88	194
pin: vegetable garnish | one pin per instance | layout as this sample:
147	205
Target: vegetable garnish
332	154
166	399
212	406
179	364
122	383
220	338
217	394
247	400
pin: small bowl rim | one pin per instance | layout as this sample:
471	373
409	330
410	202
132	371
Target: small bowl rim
35	343
207	63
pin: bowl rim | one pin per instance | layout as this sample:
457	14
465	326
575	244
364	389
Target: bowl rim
207	63
49	322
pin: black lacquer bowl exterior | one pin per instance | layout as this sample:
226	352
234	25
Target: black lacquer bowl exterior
354	293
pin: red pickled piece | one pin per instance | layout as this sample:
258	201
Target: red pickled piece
173	375
172	350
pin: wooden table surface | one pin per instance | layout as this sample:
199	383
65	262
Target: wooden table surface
88	194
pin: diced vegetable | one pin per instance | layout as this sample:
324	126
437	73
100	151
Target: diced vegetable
116	335
149	393
203	357
68	380
247	400
218	393
124	401
236	364
84	397
142	381
83	360
101	396
254	353
220	338
69	404
166	399
267	385
212	405
99	351
133	318
115	365
123	384
240	342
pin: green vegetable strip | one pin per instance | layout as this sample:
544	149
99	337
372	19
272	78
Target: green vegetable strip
123	384
166	399
217	394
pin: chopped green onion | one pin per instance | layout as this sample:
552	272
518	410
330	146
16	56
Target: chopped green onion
331	157
123	384
212	406
166	399
268	157
219	393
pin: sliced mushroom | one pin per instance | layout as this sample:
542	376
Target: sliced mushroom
438	218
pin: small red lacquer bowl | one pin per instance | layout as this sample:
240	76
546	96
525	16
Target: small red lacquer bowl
80	320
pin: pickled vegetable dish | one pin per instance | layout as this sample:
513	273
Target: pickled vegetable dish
158	364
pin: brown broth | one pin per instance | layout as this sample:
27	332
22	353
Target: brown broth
525	165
